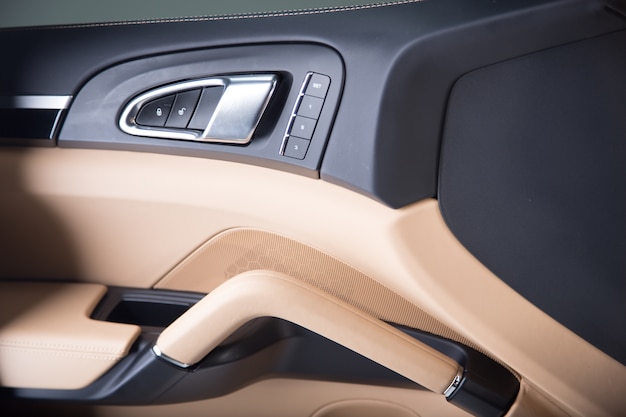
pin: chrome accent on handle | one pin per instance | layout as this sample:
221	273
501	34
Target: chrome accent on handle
454	385
234	120
240	109
157	352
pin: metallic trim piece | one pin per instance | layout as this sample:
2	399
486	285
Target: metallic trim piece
454	385
35	102
157	352
56	125
240	108
236	116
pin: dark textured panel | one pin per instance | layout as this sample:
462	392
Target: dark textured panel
533	181
400	63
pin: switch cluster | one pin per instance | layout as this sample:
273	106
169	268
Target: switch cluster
305	115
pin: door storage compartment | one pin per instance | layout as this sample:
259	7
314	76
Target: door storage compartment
144	307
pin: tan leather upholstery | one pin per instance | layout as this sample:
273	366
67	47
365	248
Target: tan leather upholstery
238	250
256	294
47	339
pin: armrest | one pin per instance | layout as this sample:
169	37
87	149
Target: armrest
47	339
271	294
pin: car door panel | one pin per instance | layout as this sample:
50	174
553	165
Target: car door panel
372	217
429	274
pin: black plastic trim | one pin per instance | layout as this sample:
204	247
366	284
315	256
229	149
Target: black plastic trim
28	127
533	181
148	308
400	61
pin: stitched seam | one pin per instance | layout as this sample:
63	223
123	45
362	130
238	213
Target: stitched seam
103	357
238	16
18	344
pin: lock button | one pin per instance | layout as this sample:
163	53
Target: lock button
155	112
182	110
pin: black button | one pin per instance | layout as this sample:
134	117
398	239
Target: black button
183	108
296	147
155	112
204	111
303	127
310	107
318	86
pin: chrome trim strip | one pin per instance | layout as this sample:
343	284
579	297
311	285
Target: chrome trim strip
35	102
157	352
454	385
56	125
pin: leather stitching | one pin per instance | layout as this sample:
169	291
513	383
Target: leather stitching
65	354
256	15
19	344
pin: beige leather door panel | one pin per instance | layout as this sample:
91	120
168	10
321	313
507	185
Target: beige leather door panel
408	251
402	208
47	339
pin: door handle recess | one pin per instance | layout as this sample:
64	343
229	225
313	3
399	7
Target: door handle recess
231	116
257	294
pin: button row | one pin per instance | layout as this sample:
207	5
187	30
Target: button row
190	109
305	115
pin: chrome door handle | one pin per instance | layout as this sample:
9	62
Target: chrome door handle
239	105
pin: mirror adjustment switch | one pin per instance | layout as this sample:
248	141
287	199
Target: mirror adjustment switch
183	108
155	112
